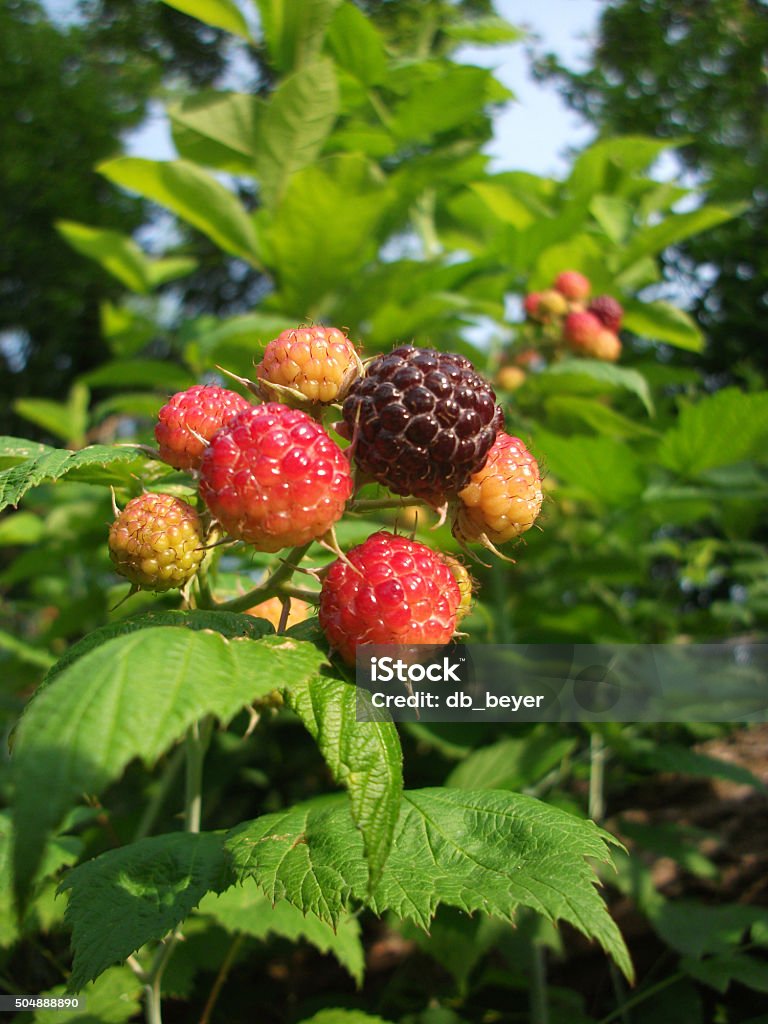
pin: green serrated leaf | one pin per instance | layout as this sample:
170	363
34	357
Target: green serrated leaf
488	850
193	195
113	999
593	467
601	418
56	463
366	757
244	909
14	450
720	430
219	13
228	624
133	697
127	897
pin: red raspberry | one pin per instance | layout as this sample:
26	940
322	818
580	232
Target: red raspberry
531	304
274	478
157	542
319	362
504	498
573	285
608	311
580	330
203	409
395	591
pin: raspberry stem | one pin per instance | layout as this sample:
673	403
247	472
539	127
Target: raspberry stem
270	588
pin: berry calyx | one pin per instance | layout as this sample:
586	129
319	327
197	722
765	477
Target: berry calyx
274	478
573	285
317	363
608	311
157	542
580	330
188	421
421	421
504	498
389	590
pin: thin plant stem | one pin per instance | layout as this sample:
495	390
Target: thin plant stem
270	587
538	993
221	977
640	997
596	807
195	746
171	770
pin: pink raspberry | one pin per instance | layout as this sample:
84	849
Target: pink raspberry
580	330
531	304
573	285
274	478
608	311
189	420
606	345
395	591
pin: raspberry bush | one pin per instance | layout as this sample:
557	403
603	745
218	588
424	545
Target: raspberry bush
456	411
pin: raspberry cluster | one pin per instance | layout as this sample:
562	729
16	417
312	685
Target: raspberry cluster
417	421
588	327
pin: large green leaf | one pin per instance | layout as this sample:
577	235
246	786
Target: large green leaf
55	463
484	31
661	321
593	171
595	468
14	450
228	624
441	102
153	373
138	893
323	232
676	227
720	430
357	45
294	29
294	125
133	697
363	756
488	850
245	910
117	253
217	129
195	196
603	373
511	763
219	13
113	999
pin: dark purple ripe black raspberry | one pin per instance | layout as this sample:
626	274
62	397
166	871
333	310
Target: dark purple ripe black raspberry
423	421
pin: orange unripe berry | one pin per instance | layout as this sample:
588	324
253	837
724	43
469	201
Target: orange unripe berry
318	362
503	499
